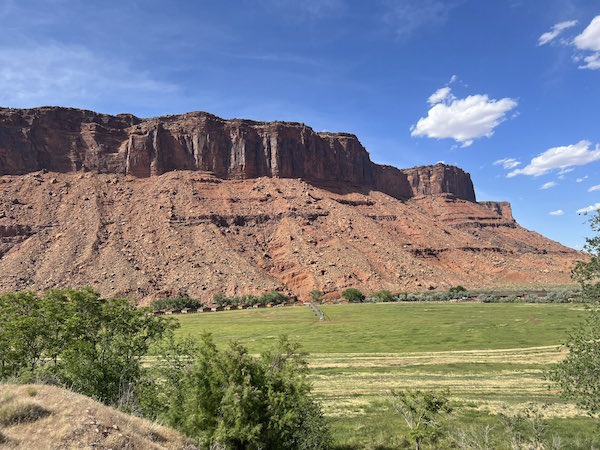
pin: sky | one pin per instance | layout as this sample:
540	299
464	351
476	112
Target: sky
508	90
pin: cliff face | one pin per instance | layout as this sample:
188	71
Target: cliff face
69	140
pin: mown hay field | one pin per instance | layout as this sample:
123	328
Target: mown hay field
492	358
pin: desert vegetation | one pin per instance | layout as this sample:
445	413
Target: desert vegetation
389	374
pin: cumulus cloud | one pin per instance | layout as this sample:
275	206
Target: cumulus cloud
594	188
507	163
589	209
548	185
559	158
463	120
555	31
558	212
589	40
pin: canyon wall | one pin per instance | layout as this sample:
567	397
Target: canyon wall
70	140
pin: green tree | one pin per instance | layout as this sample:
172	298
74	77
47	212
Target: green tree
384	296
422	411
353	295
578	375
92	345
231	399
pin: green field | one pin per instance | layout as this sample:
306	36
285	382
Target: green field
491	357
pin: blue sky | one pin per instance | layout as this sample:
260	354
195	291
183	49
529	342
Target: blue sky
514	81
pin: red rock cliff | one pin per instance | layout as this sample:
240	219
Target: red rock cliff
67	140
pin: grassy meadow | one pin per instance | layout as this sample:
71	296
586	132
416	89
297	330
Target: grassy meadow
491	357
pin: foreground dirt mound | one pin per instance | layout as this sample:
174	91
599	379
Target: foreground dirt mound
189	232
72	421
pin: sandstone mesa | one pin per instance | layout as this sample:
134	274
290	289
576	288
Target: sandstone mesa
195	204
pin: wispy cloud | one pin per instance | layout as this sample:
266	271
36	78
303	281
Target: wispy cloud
582	179
53	73
463	120
555	31
586	43
558	212
307	8
594	188
548	185
507	163
407	16
589	209
560	158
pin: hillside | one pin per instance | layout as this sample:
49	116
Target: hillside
71	421
84	202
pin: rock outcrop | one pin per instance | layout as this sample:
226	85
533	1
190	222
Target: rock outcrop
71	140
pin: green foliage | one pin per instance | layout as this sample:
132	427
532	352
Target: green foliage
587	273
92	345
422	411
230	399
384	296
276	298
353	295
457	289
175	303
578	375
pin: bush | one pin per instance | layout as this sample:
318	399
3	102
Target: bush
91	345
353	295
316	295
175	303
384	296
457	289
230	399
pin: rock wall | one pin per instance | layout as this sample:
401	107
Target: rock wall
68	140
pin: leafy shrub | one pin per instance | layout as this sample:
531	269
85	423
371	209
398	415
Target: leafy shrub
353	295
421	411
457	289
230	399
384	296
92	345
175	303
14	413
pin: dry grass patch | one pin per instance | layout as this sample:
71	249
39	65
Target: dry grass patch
17	412
78	422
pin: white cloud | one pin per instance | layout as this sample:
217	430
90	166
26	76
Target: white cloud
589	209
558	212
589	40
580	180
440	95
592	62
453	78
594	188
559	158
555	31
548	185
507	163
463	120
